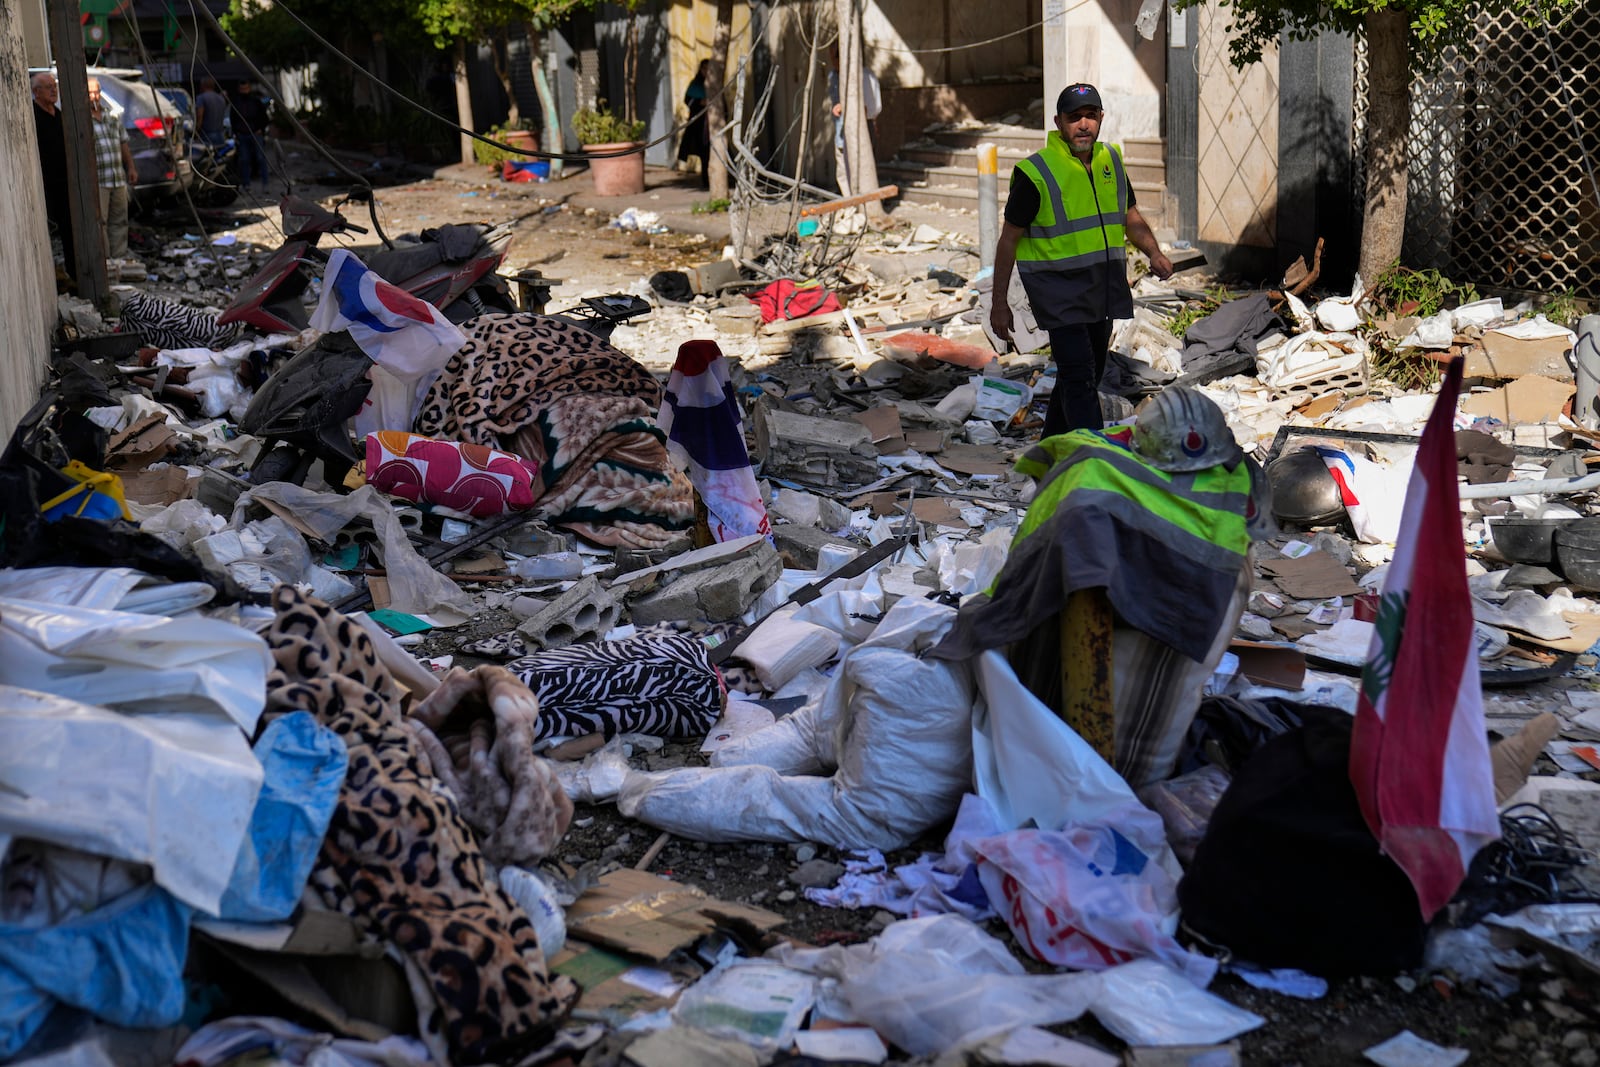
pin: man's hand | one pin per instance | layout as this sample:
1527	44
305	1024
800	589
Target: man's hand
1000	321
1160	265
133	174
838	109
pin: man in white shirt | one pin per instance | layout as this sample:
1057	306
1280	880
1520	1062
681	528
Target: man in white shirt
872	103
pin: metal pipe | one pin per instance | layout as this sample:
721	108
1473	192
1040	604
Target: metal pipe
988	202
1530	487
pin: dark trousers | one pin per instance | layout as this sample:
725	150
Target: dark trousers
252	158
1080	355
57	211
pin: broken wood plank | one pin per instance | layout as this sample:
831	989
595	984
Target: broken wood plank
882	193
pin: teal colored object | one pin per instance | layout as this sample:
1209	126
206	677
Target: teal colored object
807	227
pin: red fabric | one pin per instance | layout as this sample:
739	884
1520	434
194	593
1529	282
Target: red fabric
783	299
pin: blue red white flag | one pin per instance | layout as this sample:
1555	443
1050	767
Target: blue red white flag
1419	755
705	436
404	335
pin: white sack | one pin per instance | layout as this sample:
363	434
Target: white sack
172	791
893	730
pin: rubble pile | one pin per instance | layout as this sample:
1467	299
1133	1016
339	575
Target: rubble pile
318	645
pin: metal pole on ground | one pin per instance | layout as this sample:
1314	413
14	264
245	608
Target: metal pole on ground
988	202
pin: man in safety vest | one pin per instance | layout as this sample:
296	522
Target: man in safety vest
1068	219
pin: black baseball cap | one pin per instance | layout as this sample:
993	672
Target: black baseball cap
1079	95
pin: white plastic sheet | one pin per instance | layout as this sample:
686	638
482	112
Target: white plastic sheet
414	586
134	661
1030	765
172	791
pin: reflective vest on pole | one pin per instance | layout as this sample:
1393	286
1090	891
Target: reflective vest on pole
1083	210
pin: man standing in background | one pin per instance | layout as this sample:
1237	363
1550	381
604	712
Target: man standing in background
114	164
52	142
210	109
249	127
1068	220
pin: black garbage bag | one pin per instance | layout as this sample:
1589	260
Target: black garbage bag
1289	875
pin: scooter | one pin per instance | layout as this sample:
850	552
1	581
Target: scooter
452	267
215	183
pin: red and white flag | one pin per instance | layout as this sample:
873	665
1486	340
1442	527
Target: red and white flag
1419	757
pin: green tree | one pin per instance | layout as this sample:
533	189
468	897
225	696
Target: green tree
1403	37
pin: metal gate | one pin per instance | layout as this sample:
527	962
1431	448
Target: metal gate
1499	192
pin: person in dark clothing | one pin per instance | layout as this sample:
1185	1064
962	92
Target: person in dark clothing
249	127
210	108
52	142
696	139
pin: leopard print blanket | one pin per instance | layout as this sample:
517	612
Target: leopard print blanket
583	411
399	859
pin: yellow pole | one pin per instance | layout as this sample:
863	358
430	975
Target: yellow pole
1087	701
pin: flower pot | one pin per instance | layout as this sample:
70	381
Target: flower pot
616	175
523	139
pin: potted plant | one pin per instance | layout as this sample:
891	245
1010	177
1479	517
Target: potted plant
607	141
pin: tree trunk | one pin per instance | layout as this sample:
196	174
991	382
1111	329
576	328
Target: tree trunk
464	102
552	138
502	71
716	108
1388	121
630	69
863	167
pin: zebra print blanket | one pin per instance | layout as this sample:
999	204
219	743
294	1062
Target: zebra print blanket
657	684
582	411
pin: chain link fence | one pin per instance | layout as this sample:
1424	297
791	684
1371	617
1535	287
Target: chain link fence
1499	194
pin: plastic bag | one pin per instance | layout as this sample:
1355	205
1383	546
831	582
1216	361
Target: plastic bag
538	899
129	660
1148	1003
1089	897
174	792
928	985
415	587
1030	765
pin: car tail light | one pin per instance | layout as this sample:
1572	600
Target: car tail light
152	127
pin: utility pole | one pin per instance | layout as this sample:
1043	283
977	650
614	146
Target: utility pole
83	180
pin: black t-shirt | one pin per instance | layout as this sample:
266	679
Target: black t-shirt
1023	202
251	111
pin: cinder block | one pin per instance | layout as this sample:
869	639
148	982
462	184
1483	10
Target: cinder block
585	612
715	594
736	321
637	559
711	277
800	545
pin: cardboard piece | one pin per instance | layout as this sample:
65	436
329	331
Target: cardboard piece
1314	576
974	459
1322	405
164	485
144	442
927	441
883	426
1501	355
367	999
1268	664
645	915
1529	399
938	510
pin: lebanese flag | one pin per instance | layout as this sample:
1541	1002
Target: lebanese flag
1419	757
406	336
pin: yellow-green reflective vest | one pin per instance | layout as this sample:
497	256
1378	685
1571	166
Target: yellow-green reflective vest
1083	211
